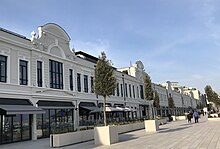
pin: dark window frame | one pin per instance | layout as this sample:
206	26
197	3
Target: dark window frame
39	73
56	74
86	85
92	84
122	90
3	62
126	90
71	79
118	94
142	91
78	82
133	91
130	90
23	68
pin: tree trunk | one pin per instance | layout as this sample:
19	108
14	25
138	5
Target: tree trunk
104	111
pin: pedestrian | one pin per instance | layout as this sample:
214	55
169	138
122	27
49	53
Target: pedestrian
189	116
196	116
170	117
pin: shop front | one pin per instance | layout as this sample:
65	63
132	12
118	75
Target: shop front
58	118
16	116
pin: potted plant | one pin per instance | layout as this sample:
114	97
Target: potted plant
105	83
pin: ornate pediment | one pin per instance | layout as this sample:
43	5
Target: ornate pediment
54	40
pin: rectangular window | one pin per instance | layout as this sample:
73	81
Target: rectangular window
141	92
137	92
126	90
86	83
117	89
133	92
39	74
122	90
130	90
56	74
23	72
78	82
92	85
71	79
3	68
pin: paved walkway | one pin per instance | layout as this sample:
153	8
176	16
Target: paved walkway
175	135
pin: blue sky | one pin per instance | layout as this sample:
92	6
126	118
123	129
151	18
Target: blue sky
177	40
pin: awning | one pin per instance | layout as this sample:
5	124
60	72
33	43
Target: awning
45	104
58	107
93	108
20	109
112	109
108	109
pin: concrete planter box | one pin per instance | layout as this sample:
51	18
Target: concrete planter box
163	121
174	118
130	127
213	119
151	125
106	135
58	140
214	115
180	118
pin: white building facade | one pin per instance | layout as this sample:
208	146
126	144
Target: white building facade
46	87
54	86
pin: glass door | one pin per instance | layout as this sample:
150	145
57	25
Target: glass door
16	128
0	129
6	129
26	133
46	124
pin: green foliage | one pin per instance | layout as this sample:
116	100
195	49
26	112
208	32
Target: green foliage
149	93
212	96
105	81
156	100
199	106
171	103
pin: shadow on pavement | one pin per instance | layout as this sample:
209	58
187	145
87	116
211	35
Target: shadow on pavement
127	137
163	128
175	129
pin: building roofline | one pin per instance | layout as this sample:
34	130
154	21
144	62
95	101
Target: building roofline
13	33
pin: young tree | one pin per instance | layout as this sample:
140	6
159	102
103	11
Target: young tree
209	93
156	100
212	95
149	93
171	102
105	81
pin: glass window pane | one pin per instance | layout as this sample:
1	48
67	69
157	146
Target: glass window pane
70	120
3	68
0	127
6	132
46	124
25	127
52	121
56	75
39	125
17	127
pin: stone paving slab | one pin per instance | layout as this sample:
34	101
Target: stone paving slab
174	135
